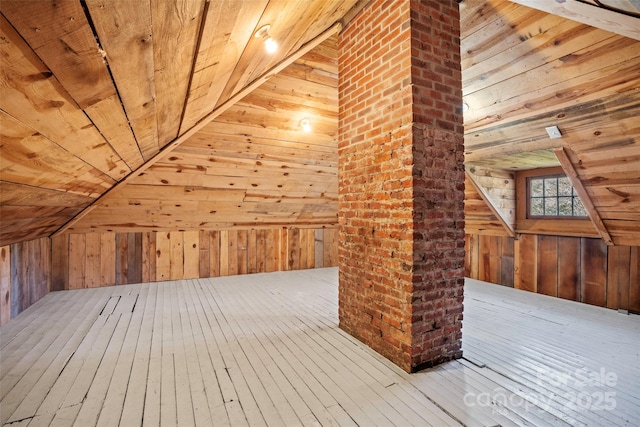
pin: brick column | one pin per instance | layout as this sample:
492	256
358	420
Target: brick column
401	181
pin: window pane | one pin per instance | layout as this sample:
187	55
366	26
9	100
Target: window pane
565	206
564	186
551	206
537	207
550	187
553	196
578	208
536	187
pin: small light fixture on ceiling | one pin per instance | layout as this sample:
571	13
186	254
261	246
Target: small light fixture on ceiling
270	44
305	124
553	132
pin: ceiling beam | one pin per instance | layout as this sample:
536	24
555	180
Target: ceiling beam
569	170
307	47
360	4
484	195
589	14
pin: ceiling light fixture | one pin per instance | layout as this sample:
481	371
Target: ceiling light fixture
270	44
305	124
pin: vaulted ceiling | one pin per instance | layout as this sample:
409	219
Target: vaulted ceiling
129	116
95	93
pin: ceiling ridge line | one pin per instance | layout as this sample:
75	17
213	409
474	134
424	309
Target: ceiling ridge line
334	29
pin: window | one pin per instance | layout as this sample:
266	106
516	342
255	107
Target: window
553	196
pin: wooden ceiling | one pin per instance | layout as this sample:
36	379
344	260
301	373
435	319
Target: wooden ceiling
524	70
169	115
94	92
251	167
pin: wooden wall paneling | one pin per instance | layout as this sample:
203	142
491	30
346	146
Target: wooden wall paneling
146	257
47	257
31	263
224	253
163	256
593	271
634	280
134	258
261	250
303	250
506	261
618	276
330	248
290	250
93	267
283	256
242	251
526	261
311	247
24	265
318	248
60	262
232	259
271	250
44	274
548	265
204	263
122	253
495	258
5	284
45	266
490	258
569	268
16	280
77	254
37	283
215	260
152	256
280	259
107	259
191	254
176	262
252	252
483	261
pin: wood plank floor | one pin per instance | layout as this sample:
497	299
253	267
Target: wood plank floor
265	350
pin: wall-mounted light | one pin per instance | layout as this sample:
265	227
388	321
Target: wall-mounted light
270	44
305	124
465	107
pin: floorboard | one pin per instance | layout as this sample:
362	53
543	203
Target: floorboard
265	350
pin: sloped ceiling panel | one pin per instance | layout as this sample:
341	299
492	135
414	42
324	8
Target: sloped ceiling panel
91	90
524	70
253	166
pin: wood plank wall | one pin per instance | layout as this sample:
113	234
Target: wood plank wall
24	276
29	270
577	268
106	259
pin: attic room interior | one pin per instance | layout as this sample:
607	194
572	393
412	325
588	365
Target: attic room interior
320	212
